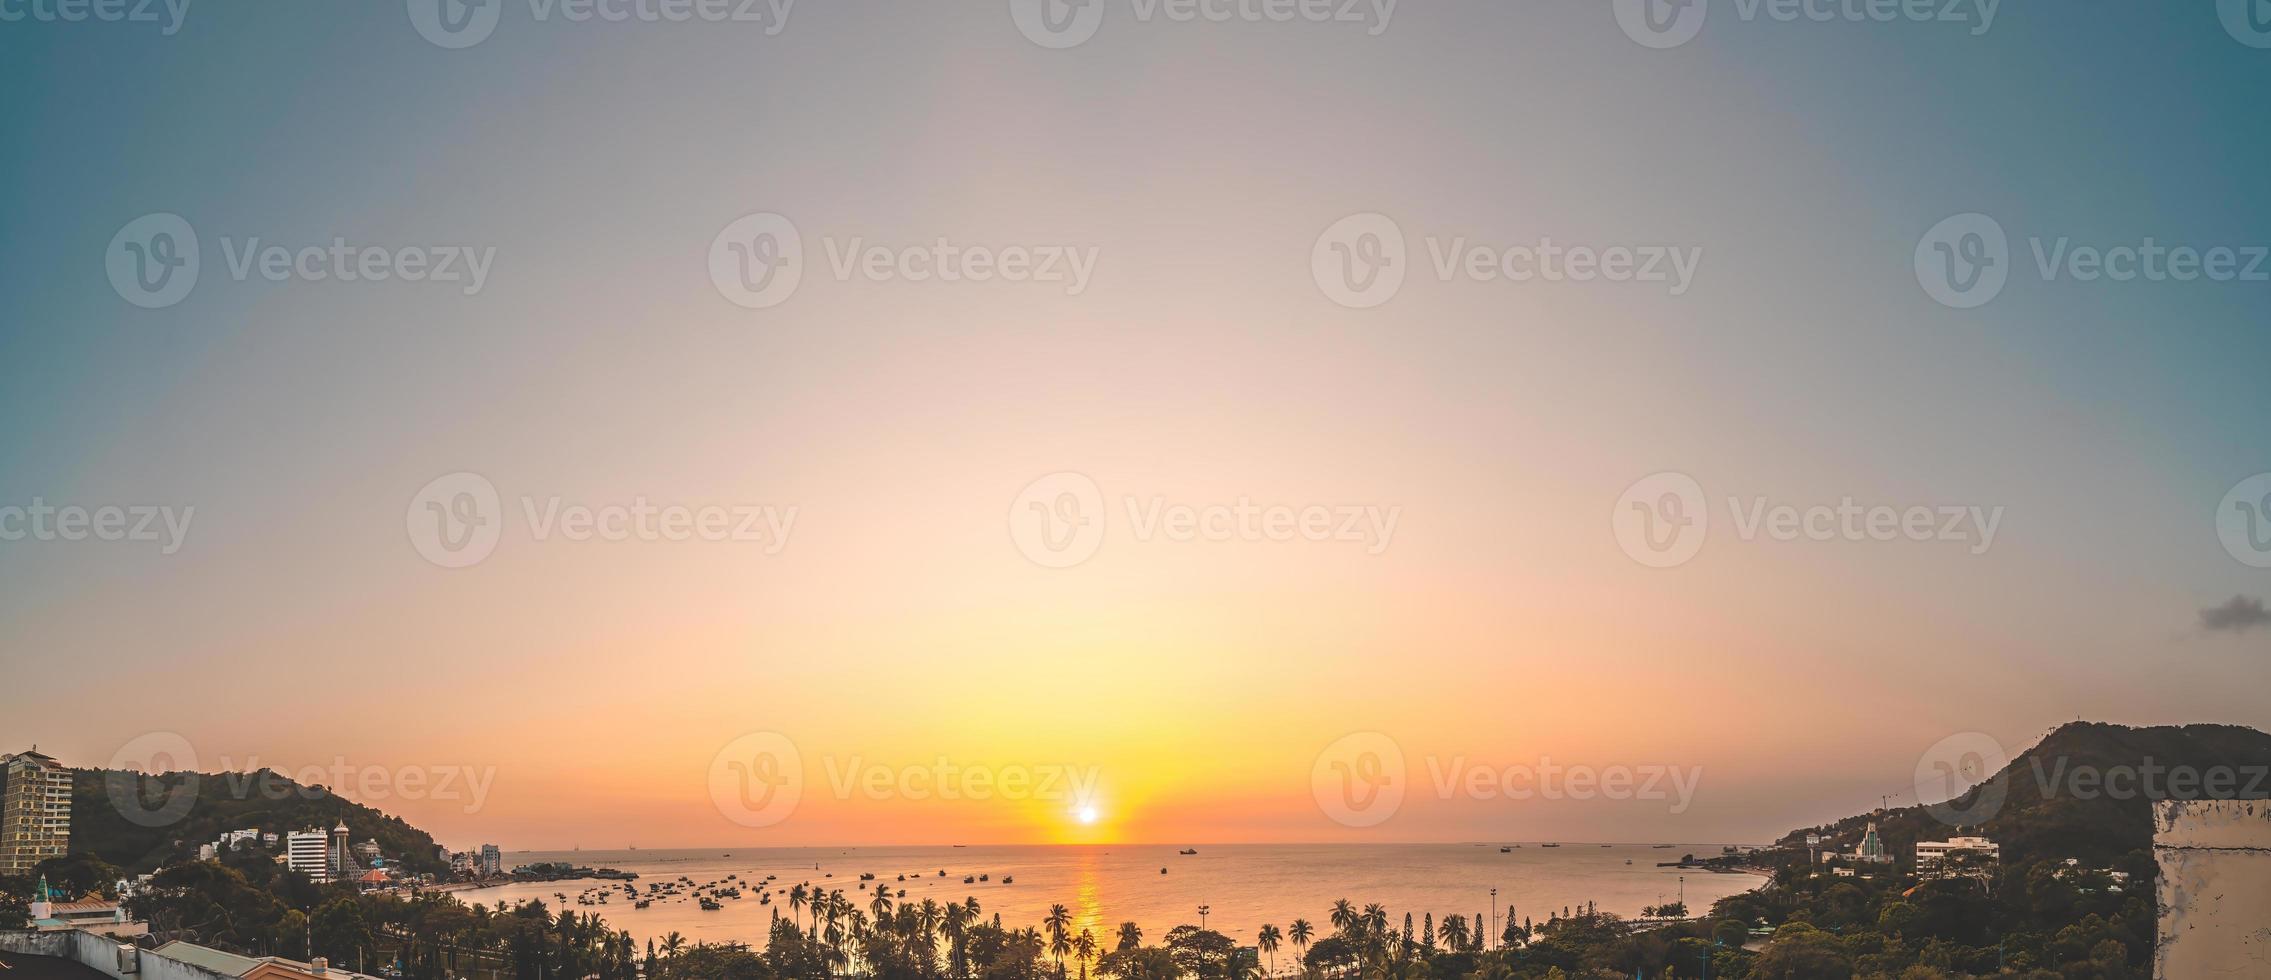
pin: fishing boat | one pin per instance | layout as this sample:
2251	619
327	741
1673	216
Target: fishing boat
984	878
1005	879
1188	850
1505	850
1549	845
969	879
1162	869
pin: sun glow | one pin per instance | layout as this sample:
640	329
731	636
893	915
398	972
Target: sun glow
1086	814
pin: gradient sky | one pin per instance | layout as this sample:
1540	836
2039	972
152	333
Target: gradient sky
299	626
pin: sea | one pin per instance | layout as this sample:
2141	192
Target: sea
1242	886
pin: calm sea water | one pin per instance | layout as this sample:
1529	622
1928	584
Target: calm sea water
1244	885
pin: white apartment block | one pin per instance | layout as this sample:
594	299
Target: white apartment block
1933	853
309	852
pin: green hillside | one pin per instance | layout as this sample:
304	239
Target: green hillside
140	822
2055	806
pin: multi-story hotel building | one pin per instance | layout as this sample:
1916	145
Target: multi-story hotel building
309	852
35	811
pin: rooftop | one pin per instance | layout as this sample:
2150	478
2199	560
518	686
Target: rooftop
24	966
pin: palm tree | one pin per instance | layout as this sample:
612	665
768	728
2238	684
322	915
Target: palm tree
1376	919
1267	939
796	900
881	904
1455	932
1300	932
1131	935
1085	948
671	944
1059	921
1344	915
958	918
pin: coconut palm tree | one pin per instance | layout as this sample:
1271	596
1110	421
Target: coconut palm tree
1060	943
672	943
1455	932
1344	915
1131	935
1300	932
796	902
1267	940
1084	947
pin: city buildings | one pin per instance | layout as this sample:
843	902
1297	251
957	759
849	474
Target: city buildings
95	916
492	860
1935	853
35	811
305	852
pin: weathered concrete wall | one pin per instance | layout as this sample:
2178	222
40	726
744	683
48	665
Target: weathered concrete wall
2215	889
101	953
86	948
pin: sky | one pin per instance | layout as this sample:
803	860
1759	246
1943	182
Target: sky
1171	494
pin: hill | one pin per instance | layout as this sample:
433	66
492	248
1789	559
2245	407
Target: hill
139	822
2056	800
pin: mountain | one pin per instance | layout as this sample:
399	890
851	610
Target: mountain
2055	801
139	822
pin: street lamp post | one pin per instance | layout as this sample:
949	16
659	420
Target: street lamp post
1493	915
1203	909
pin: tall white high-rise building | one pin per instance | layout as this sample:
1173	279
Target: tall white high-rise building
308	852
